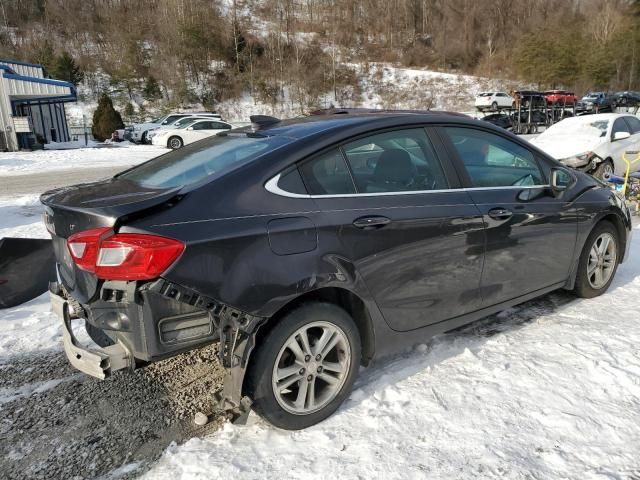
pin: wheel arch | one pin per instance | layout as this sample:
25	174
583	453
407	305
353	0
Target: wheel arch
352	303
619	225
172	137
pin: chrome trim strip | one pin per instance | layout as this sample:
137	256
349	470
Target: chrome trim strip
272	186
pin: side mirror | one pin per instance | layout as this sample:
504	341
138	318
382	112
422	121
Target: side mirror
620	136
189	128
559	180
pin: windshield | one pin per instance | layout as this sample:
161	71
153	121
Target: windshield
209	158
579	126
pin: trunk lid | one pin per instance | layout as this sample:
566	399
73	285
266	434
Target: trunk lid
106	203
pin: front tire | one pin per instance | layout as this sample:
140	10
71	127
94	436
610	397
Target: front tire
598	261
305	366
175	143
494	106
603	170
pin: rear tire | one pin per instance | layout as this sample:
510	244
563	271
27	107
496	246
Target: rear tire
598	261
293	381
175	143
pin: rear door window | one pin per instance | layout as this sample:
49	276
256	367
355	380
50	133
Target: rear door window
396	161
494	161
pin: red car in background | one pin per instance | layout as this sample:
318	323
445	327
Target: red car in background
561	97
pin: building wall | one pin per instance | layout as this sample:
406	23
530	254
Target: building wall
48	121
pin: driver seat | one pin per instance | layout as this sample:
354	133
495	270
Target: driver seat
394	171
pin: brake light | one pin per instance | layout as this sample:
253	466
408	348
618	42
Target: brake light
83	247
123	256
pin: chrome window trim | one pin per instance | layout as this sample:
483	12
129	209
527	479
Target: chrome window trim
272	186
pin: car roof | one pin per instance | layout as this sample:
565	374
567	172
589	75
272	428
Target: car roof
313	124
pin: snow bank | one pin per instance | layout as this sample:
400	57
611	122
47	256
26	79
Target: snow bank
22	217
70	145
549	389
22	163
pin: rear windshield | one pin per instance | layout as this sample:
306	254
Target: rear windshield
210	158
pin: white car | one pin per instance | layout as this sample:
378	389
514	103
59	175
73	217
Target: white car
141	130
189	132
177	123
493	101
593	143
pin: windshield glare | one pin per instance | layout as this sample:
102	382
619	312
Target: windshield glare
209	158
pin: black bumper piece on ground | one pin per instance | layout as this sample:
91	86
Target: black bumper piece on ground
27	265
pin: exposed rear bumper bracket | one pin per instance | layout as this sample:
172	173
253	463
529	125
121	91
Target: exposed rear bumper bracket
237	331
99	363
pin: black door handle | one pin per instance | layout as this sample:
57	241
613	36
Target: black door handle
368	223
500	213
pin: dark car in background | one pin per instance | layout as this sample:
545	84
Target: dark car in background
597	102
502	120
529	97
309	247
627	99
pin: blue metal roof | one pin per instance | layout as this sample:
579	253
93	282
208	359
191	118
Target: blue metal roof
26	64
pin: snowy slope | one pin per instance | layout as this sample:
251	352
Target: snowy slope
550	389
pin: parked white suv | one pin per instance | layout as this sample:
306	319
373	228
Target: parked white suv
141	130
493	101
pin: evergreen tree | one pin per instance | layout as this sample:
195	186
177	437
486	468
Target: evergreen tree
106	119
129	111
65	68
44	55
151	90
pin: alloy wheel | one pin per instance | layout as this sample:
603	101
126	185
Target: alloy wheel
602	261
311	368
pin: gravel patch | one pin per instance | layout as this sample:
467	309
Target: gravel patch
57	423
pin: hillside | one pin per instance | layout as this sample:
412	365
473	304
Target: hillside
292	56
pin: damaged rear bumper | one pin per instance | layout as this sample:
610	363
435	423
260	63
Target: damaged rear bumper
99	362
143	334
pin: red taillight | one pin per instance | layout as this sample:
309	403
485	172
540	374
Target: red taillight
83	247
123	256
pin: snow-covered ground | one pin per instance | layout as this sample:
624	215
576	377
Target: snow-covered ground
106	155
546	390
550	389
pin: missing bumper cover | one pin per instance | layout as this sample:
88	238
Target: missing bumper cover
237	331
98	363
